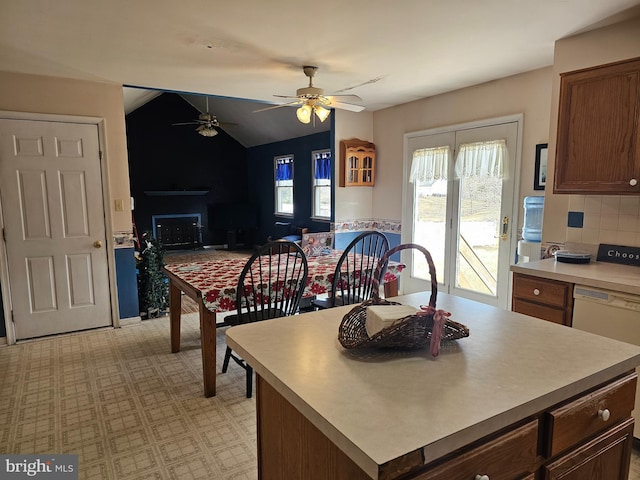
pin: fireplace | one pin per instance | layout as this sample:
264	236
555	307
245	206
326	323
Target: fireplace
178	230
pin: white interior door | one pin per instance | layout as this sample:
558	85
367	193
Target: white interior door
52	205
464	222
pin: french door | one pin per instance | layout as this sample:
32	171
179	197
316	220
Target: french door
462	213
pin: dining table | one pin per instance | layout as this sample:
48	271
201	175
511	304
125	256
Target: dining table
212	285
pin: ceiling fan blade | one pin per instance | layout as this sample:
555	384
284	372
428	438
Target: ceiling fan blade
187	123
227	124
277	106
346	98
285	96
345	106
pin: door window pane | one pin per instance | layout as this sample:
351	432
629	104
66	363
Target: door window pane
430	226
478	239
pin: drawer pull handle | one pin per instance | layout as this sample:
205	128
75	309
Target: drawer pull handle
633	182
482	477
604	414
536	291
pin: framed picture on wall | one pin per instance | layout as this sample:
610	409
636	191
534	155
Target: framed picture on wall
540	173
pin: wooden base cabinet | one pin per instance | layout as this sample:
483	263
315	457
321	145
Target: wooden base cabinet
606	457
591	436
511	455
586	437
550	300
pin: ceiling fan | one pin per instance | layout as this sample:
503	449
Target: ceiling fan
207	123
313	100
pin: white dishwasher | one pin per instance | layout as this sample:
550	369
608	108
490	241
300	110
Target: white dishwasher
609	314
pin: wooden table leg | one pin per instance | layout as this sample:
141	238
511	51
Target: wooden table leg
208	344
175	305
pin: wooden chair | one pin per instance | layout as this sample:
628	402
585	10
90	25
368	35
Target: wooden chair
353	276
270	286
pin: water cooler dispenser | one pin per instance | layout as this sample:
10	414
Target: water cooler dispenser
529	248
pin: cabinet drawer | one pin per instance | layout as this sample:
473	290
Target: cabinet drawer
508	457
541	290
578	420
551	314
606	456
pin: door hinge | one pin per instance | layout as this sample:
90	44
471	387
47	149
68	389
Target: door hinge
13	320
100	154
4	236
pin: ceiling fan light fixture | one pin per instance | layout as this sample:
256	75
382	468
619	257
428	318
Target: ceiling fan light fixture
321	112
304	113
207	132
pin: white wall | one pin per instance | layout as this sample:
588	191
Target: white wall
352	202
528	93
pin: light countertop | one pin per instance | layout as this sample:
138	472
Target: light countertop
610	276
381	407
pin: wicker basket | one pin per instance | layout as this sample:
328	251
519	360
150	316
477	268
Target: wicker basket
429	326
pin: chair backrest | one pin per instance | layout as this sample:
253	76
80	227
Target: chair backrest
272	282
353	276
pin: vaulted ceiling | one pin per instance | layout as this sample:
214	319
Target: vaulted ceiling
388	53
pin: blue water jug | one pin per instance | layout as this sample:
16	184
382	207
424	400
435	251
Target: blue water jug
533	210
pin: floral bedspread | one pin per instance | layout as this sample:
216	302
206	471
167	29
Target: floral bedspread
217	280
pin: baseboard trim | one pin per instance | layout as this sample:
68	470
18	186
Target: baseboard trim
125	322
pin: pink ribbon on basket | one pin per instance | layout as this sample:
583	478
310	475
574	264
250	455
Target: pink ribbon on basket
439	319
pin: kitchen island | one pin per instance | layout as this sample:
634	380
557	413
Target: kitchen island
516	398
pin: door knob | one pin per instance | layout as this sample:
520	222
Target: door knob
633	182
97	244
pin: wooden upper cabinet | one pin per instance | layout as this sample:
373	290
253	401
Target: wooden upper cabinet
357	163
598	144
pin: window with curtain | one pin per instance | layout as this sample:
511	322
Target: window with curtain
479	159
321	184
482	159
430	164
283	174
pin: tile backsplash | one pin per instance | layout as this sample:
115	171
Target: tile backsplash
606	219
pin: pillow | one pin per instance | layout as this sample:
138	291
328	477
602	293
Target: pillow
315	244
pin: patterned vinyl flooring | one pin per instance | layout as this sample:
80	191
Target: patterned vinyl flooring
127	406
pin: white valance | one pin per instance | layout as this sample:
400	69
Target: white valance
430	164
482	159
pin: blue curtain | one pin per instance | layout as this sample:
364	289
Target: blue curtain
284	170
323	167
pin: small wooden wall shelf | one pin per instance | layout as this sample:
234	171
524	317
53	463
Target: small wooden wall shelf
357	163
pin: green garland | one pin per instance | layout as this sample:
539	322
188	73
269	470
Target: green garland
153	288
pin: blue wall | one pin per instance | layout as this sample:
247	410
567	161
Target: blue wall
342	239
126	281
170	157
261	182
